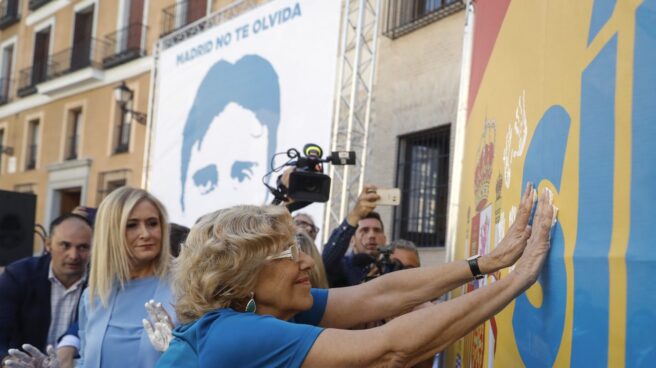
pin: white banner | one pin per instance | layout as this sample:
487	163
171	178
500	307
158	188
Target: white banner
231	97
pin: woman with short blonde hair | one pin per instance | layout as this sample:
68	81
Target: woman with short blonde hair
217	263
129	266
245	298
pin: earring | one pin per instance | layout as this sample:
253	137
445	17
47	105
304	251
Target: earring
251	307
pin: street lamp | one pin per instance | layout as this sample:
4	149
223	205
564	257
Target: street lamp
9	151
124	95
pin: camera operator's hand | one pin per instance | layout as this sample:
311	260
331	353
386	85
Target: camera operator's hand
285	182
365	204
513	244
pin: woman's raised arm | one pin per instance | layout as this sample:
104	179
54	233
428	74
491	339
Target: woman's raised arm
399	292
418	335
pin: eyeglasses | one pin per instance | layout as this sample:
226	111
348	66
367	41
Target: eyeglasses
293	253
306	225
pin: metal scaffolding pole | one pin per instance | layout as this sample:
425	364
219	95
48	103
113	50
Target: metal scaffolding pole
352	104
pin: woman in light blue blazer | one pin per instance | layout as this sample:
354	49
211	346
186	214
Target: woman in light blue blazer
129	266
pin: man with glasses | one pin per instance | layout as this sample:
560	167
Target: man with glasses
305	222
39	295
405	252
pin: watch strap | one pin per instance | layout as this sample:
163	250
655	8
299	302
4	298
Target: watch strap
473	266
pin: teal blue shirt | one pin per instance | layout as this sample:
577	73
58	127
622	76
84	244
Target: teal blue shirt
226	338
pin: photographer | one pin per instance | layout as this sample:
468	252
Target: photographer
365	229
406	253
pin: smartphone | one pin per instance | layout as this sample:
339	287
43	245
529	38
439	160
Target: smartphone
389	197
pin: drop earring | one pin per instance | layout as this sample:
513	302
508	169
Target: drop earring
251	307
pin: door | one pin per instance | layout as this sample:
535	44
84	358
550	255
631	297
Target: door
196	9
81	55
69	199
40	62
135	26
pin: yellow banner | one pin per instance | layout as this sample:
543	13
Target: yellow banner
563	94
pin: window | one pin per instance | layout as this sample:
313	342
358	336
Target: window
128	41
6	68
32	145
8	13
423	176
122	135
25	188
73	134
182	13
109	181
2	146
404	16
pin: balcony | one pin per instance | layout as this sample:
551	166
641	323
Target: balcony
125	45
6	92
83	55
8	13
180	14
80	56
29	77
36	4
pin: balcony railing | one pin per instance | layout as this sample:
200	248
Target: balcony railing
179	15
80	56
122	138
29	77
31	157
71	147
36	4
124	45
404	16
8	13
6	92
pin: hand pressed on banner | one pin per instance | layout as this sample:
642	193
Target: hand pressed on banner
531	261
512	245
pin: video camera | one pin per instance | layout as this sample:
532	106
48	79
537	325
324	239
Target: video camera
308	183
384	263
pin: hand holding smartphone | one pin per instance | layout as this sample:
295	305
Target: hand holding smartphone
389	197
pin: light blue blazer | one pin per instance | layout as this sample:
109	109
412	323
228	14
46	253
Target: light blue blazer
94	322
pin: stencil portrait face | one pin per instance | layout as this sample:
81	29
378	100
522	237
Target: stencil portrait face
229	135
229	164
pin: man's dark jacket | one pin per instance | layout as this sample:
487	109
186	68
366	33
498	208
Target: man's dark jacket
25	304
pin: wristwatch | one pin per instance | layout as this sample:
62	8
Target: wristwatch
473	266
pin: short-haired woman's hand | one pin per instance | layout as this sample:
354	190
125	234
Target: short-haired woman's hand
511	247
531	262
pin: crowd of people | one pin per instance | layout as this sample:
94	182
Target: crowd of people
246	286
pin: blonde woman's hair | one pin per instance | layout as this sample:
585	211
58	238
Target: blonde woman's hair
111	255
318	277
219	262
